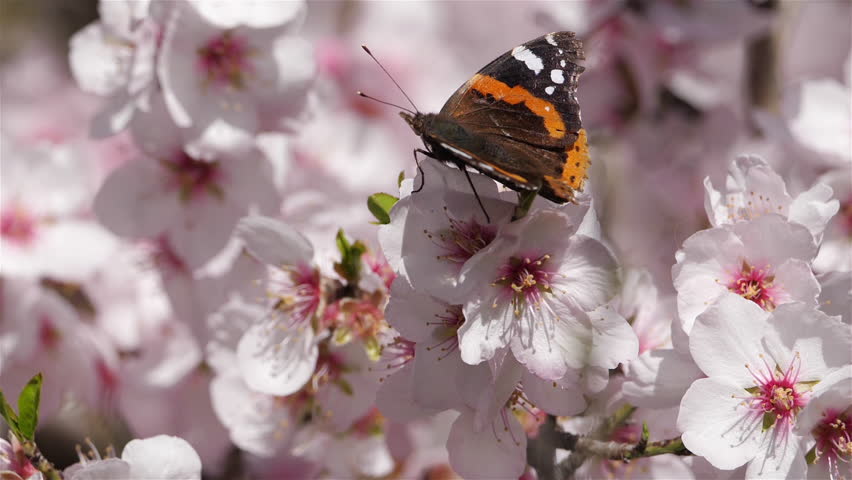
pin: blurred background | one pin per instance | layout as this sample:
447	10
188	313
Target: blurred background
673	92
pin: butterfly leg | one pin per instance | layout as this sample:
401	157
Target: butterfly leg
419	168
463	168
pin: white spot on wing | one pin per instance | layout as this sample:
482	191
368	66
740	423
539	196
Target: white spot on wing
532	62
550	40
547	108
456	151
550	90
562	63
556	76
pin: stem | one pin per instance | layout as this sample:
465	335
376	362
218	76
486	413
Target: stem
41	464
581	447
525	201
626	451
541	451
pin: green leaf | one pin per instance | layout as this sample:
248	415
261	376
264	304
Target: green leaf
349	266
380	205
8	413
342	243
28	403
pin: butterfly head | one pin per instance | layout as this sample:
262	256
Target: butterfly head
419	122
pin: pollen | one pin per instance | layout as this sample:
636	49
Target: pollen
461	239
834	440
755	284
524	280
777	395
18	225
225	61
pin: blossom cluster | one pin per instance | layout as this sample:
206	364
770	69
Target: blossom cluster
195	258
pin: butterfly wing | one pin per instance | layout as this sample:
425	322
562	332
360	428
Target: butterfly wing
525	102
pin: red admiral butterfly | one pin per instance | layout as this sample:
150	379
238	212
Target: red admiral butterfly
517	120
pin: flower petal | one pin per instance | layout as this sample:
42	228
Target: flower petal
277	361
134	201
273	242
497	451
732	325
589	271
714	423
659	378
556	398
162	457
821	342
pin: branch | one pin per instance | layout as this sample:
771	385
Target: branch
583	448
43	465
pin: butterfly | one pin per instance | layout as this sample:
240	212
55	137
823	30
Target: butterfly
517	120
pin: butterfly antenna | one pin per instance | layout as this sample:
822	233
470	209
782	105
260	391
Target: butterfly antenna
362	94
391	77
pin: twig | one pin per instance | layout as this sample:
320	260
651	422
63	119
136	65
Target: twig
43	465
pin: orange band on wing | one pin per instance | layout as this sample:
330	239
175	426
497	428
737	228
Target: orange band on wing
574	170
577	162
511	175
514	95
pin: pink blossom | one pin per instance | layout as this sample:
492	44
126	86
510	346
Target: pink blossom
41	331
835	253
115	57
766	260
433	232
14	465
228	71
163	457
194	203
45	199
529	290
825	422
747	409
753	189
278	352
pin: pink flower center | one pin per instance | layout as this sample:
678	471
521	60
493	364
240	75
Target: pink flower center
525	280
17	225
330	369
298	296
462	239
193	177
16	461
108	377
398	353
447	327
48	334
833	439
777	397
371	423
224	60
755	284
381	267
359	317
166	258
